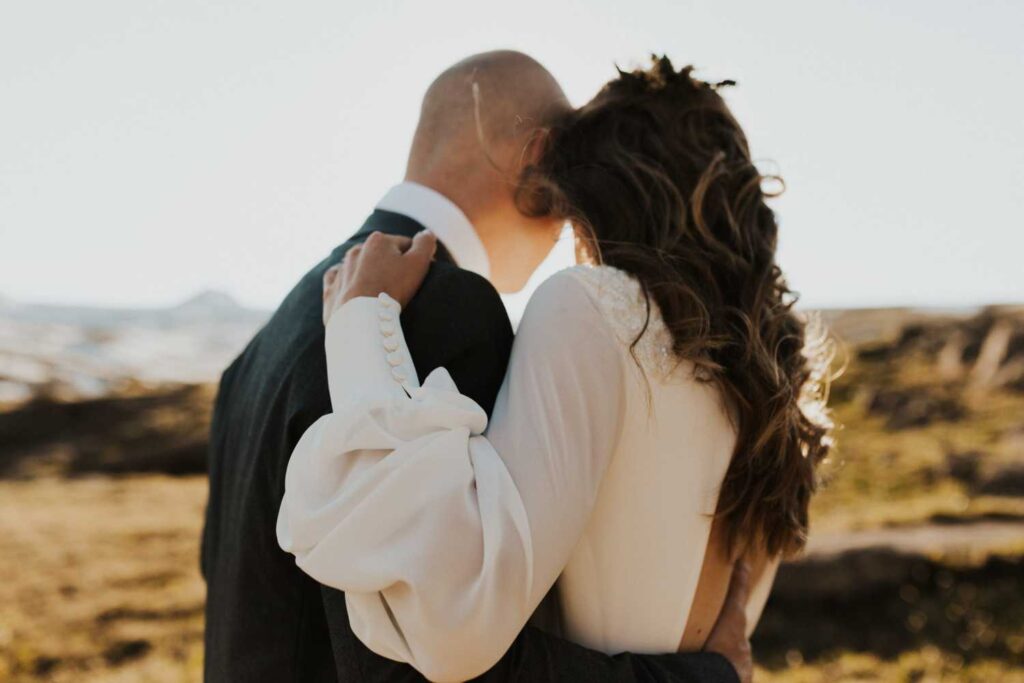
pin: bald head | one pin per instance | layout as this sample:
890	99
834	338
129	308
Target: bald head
476	120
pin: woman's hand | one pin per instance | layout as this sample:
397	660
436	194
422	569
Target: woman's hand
390	264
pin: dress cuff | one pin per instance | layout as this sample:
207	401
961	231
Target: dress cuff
367	357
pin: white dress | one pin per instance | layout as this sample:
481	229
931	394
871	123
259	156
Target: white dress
600	469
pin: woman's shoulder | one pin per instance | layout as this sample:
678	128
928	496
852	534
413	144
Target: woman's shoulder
619	300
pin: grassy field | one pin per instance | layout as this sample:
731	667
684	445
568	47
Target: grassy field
101	505
99	579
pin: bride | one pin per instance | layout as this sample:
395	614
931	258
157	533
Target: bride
662	414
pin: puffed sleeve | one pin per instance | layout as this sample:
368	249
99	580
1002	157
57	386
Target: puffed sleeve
445	537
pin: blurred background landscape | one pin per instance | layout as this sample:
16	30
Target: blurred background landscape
914	572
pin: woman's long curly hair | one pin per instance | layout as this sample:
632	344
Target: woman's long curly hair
656	177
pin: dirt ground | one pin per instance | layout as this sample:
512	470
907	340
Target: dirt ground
99	579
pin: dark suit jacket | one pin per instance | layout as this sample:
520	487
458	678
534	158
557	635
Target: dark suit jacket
268	621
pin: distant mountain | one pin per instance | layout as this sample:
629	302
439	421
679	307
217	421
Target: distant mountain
210	307
214	307
75	352
210	300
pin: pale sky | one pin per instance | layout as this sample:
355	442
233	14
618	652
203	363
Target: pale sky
151	149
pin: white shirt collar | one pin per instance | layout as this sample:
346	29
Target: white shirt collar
441	216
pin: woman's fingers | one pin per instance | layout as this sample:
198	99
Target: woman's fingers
401	243
332	285
421	249
378	241
383	263
351	255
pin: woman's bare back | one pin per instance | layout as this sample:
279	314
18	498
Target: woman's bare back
715	574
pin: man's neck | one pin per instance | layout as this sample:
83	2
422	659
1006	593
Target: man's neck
438	213
516	246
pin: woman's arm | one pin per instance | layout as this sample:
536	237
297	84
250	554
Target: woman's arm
443	547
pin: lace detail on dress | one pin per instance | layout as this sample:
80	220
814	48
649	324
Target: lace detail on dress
620	299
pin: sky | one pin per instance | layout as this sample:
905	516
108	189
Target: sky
153	149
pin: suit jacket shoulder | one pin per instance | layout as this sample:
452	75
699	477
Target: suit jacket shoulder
458	320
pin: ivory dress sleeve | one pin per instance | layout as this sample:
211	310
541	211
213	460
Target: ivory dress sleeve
445	533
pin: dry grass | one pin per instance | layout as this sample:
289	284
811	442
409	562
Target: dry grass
879	476
929	665
99	579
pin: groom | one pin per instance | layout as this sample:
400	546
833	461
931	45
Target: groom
265	619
